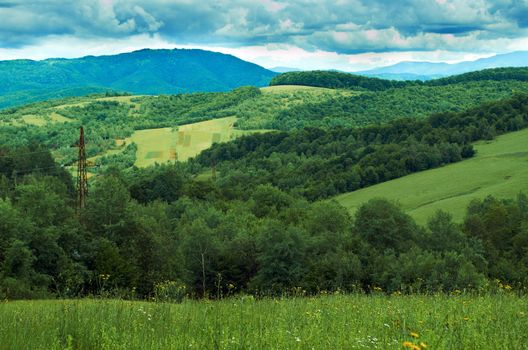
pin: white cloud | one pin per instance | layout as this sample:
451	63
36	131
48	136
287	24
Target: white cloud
309	34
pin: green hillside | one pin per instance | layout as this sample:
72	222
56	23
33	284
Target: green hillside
111	117
340	80
383	100
140	72
500	168
335	80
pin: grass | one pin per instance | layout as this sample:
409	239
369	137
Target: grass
36	120
500	168
56	117
166	144
311	90
279	89
41	120
325	322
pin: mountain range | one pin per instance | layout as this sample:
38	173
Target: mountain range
430	70
139	72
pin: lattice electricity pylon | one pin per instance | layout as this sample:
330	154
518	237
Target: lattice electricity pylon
213	170
82	178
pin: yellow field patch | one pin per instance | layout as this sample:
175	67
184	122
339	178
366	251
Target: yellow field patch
279	89
167	144
41	120
79	104
33	119
122	99
56	117
292	89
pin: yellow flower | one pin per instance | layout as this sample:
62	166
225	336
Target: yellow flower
423	345
466	318
408	344
414	335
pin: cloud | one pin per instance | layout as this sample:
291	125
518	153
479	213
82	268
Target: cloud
343	27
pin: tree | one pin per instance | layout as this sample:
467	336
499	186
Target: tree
385	226
281	257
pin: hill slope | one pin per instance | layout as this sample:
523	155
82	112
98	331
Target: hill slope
142	72
500	168
379	100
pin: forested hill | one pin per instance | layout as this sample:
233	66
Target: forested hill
141	72
335	80
339	80
317	163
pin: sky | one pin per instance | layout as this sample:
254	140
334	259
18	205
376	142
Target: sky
349	35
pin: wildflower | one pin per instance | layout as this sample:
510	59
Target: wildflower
466	318
408	344
423	345
414	335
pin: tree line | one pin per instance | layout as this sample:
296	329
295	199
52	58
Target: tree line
341	80
184	238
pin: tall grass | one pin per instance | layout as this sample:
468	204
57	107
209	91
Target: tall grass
326	322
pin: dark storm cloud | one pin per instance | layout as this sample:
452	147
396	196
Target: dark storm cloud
342	26
515	11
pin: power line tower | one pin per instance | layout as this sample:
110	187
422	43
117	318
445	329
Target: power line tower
213	170
82	178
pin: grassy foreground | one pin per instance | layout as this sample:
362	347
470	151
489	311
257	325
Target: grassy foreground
326	322
500	169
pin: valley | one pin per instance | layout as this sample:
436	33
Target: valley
270	191
210	175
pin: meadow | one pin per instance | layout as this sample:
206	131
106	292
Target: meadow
161	145
500	169
325	322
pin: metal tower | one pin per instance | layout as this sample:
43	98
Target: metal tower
213	170
82	179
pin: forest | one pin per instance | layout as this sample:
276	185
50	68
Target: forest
339	80
257	227
192	242
317	163
113	116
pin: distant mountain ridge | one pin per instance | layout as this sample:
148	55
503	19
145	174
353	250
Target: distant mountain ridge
430	70
284	69
141	72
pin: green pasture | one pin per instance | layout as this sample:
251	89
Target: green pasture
326	322
500	168
280	89
186	141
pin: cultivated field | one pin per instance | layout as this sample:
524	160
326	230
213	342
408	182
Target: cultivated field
280	89
326	322
500	168
166	144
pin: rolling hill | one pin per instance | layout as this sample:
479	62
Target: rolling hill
140	72
500	168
